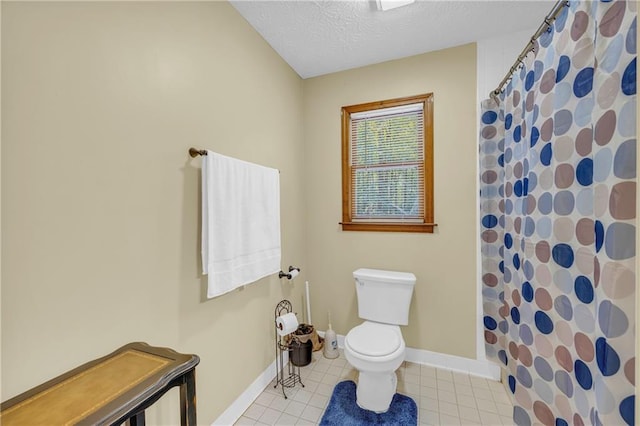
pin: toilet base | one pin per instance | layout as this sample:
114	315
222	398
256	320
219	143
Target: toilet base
375	390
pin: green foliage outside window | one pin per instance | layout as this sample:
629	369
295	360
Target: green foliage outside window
386	154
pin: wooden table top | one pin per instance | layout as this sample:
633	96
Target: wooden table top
100	391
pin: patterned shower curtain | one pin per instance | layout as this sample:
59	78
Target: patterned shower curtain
558	221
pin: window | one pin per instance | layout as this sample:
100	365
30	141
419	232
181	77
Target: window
387	165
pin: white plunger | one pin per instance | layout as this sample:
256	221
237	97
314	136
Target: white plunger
306	288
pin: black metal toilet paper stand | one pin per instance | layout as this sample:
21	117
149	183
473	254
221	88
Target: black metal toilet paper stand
293	371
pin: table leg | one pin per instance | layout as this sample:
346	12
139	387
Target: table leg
188	399
137	420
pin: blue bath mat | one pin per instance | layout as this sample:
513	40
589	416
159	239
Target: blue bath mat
343	410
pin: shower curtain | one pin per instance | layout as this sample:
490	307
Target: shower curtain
558	221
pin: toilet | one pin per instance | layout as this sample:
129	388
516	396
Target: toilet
376	348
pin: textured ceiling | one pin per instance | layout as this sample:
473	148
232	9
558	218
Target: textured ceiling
318	37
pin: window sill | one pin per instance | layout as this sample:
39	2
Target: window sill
388	227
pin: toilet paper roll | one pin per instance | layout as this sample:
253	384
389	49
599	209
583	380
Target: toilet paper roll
286	324
294	273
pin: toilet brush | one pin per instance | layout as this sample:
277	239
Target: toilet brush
330	342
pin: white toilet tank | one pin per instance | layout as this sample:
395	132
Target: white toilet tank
384	296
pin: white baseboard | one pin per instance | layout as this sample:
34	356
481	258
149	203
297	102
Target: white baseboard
480	368
474	367
244	401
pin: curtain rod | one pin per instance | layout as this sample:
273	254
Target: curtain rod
557	8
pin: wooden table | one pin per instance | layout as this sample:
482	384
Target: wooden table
109	390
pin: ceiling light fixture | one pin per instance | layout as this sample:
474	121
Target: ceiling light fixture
392	4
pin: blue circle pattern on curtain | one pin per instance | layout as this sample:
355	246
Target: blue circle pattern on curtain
558	224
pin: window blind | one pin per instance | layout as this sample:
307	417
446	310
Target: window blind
387	164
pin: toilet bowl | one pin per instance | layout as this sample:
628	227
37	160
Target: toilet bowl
376	350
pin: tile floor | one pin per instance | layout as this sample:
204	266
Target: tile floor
443	397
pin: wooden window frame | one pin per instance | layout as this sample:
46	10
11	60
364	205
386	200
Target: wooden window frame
427	225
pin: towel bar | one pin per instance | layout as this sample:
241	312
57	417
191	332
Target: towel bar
195	152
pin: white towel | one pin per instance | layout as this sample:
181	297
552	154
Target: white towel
240	222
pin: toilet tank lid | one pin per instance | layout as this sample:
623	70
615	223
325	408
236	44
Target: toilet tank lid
381	275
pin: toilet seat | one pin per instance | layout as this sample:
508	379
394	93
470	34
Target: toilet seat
374	339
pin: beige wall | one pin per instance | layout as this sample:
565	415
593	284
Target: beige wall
443	309
100	200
